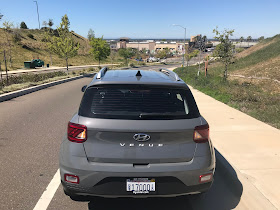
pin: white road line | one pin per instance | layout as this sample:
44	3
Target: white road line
48	194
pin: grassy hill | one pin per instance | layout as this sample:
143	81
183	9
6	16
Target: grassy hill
259	65
253	85
262	64
29	47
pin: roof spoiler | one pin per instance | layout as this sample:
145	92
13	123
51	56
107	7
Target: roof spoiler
170	73
102	72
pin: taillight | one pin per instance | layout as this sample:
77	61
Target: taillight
76	132
201	133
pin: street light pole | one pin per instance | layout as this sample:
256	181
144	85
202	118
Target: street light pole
184	48
37	13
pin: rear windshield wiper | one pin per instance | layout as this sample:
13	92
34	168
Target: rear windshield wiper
157	116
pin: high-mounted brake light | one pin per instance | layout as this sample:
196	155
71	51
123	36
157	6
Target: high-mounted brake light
201	133
76	133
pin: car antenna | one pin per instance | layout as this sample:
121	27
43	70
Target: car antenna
138	74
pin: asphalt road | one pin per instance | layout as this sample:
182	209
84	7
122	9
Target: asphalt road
31	129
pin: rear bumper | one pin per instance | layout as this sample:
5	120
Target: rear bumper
115	187
109	179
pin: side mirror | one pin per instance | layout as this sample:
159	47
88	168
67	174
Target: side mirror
84	88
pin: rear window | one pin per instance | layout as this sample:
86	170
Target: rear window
138	102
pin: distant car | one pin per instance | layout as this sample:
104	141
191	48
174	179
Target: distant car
153	59
137	133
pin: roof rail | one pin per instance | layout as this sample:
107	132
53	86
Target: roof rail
102	72
170	73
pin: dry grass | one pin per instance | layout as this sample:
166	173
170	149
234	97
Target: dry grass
28	48
253	49
269	68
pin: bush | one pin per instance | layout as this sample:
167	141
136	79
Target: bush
44	39
30	36
132	65
238	50
23	25
16	38
32	77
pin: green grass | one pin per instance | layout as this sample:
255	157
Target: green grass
246	97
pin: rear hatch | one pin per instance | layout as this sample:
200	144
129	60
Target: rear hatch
139	124
119	145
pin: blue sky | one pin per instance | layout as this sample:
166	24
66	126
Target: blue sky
151	18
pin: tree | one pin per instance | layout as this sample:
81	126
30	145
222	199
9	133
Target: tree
241	39
189	54
113	55
90	34
23	25
261	38
126	53
45	24
64	45
50	23
161	54
100	49
249	38
204	38
144	51
224	50
7	26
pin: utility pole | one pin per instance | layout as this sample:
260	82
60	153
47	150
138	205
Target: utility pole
37	13
184	46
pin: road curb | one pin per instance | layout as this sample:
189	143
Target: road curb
14	94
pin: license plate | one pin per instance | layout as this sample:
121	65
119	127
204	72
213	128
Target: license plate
141	185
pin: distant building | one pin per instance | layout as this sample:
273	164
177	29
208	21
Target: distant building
194	38
122	42
151	45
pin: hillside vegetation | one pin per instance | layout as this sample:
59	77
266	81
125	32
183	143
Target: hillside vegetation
253	86
31	45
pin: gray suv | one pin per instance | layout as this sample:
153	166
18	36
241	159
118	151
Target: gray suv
138	133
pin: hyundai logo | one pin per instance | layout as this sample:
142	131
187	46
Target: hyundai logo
141	137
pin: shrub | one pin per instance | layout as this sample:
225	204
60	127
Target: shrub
238	50
30	36
16	38
44	39
32	77
23	25
131	65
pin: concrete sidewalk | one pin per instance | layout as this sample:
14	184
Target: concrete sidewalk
250	146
